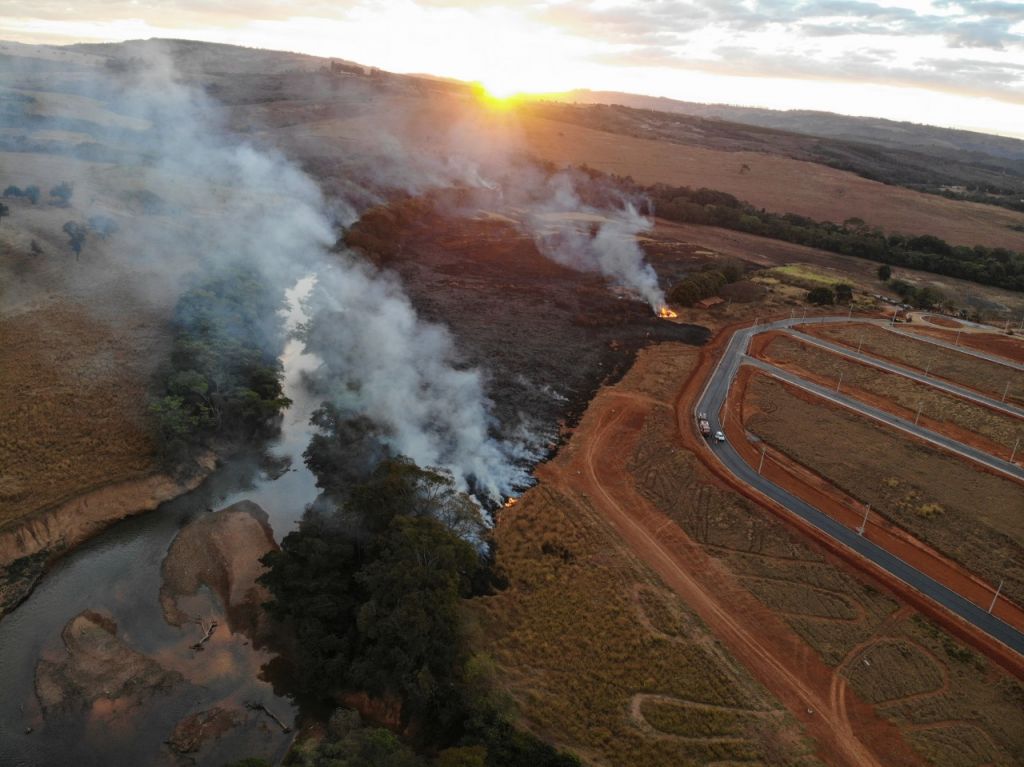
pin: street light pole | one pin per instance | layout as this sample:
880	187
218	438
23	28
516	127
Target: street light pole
864	522
1013	453
918	416
994	598
1006	390
957	342
760	465
840	381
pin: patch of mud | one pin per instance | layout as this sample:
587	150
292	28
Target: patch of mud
193	732
220	552
98	670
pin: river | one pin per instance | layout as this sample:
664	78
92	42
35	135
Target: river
118	573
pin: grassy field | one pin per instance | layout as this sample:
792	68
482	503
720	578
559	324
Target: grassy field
602	658
1001	429
987	377
775	183
73	398
969	515
951	704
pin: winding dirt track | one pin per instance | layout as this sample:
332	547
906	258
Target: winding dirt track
756	637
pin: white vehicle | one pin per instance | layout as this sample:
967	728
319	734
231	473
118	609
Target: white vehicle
719	436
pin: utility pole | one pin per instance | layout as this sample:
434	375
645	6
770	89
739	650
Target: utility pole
1013	453
957	342
860	342
864	522
918	416
840	381
850	313
1006	390
892	322
928	366
760	465
992	606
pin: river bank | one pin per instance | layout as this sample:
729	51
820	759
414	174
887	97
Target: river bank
31	545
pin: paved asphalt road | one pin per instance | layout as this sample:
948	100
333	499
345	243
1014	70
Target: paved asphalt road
891	367
971	453
711	402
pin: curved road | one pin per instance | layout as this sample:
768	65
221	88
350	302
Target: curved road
711	401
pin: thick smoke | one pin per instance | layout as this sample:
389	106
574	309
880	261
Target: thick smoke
591	239
232	201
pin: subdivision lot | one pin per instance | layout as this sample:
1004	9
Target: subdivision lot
963	420
987	377
971	516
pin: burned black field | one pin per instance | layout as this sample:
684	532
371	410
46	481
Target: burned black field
548	336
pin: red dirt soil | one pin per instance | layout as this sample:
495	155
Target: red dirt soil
759	348
846	729
945	322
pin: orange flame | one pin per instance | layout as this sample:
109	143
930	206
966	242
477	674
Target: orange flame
666	313
510	502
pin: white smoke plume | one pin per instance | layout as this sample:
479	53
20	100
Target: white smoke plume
229	200
592	239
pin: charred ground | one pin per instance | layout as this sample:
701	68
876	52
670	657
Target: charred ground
547	335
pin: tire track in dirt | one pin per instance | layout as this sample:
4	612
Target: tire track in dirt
602	458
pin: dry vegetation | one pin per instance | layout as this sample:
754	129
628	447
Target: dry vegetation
776	183
601	657
934	404
73	395
971	516
953	706
974	372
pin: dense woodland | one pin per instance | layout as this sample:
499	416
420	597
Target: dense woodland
370	589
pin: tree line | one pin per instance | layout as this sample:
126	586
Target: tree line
370	590
999	267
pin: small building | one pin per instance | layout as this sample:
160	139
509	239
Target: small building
707	303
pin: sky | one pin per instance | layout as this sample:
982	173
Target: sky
955	63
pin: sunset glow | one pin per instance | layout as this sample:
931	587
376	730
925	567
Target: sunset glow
916	60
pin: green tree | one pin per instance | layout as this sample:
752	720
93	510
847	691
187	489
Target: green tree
884	272
821	296
32	193
844	293
409	643
4	211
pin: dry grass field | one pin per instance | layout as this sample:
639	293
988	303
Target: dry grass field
976	373
905	394
775	183
969	515
73	398
602	658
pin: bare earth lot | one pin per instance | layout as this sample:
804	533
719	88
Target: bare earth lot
987	377
969	515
